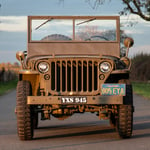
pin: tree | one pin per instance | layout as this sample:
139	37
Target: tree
138	7
140	68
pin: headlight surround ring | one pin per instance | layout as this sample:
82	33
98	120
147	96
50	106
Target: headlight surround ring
105	67
43	67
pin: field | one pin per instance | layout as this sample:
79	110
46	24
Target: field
142	89
7	86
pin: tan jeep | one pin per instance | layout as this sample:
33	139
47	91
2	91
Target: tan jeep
73	65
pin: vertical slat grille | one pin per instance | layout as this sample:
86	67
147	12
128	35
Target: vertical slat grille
74	75
63	75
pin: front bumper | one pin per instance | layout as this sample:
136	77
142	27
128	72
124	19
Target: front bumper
52	100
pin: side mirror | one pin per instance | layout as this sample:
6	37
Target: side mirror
128	42
20	55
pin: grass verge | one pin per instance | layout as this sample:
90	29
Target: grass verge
7	86
142	89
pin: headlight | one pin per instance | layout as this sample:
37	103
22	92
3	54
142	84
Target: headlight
105	67
43	67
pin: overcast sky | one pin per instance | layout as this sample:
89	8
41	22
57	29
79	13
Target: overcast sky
13	22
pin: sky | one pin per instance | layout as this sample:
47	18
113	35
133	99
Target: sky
13	22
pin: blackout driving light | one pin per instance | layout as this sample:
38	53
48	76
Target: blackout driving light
105	67
43	67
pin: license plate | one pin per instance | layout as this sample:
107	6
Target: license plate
73	100
113	89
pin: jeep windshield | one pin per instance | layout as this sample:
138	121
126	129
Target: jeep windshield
50	29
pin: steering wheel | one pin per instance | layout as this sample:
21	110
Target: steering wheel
97	38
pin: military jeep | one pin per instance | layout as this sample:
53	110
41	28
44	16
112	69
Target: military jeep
73	65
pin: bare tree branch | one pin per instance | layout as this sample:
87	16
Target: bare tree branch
138	10
138	7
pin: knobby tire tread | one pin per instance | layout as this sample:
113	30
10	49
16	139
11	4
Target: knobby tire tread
24	120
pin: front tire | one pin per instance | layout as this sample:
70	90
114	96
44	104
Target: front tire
125	114
24	111
125	121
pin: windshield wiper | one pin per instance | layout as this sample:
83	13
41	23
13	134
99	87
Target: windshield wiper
43	23
86	21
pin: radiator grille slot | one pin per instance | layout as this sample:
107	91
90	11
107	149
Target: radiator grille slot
74	75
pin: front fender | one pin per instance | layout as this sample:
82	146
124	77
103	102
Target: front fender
33	77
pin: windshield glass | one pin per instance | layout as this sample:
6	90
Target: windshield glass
52	29
73	30
95	30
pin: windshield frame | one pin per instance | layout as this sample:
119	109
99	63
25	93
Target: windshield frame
73	18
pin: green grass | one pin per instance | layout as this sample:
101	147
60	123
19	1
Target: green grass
7	86
142	89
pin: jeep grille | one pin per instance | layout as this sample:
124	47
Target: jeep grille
74	76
